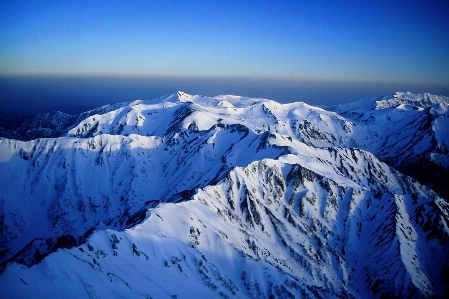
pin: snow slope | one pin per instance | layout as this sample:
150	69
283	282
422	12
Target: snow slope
189	196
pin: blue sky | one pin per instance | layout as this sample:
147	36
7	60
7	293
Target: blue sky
370	42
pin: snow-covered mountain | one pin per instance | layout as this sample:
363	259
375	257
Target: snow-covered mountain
188	196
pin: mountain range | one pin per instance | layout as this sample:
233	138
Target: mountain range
187	196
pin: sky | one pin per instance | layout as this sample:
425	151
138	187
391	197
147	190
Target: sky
76	54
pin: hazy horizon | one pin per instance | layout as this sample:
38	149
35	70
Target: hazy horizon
76	94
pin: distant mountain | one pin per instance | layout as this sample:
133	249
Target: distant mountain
40	125
187	196
44	125
408	132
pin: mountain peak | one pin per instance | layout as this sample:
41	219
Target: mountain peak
410	100
401	100
183	97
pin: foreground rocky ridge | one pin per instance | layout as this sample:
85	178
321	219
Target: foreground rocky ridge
230	197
